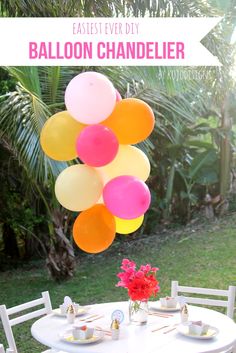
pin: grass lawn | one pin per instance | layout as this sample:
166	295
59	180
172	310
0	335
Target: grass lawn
205	257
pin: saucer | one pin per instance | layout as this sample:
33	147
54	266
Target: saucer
68	337
157	306
184	330
81	311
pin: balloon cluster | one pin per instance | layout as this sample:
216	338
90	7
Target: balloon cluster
109	188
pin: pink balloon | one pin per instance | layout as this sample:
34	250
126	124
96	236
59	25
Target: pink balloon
118	96
126	197
90	97
97	145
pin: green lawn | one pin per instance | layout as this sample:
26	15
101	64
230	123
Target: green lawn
206	257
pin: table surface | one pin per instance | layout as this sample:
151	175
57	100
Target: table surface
138	339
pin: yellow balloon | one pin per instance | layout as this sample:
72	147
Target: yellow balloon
126	226
78	187
58	136
129	160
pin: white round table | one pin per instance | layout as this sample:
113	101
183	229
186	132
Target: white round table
139	339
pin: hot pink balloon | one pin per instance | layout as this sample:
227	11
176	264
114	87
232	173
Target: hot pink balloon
126	197
118	96
97	145
90	97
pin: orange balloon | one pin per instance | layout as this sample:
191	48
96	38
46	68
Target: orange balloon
132	121
94	229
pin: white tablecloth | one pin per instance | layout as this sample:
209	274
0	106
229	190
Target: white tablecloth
139	339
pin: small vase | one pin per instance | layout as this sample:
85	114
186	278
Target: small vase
138	312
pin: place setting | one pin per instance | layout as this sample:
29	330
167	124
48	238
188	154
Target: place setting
78	310
165	305
197	330
82	330
194	329
83	334
188	328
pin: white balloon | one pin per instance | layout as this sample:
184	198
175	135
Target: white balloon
90	97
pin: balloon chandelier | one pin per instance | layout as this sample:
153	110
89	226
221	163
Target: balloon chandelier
108	188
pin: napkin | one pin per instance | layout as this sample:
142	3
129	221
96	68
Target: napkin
182	300
67	302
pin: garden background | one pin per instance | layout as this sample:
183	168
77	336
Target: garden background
189	230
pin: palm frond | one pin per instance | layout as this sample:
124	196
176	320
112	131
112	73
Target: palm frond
22	116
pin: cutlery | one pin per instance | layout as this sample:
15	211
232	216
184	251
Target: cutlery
160	315
160	328
107	332
171	329
88	317
95	318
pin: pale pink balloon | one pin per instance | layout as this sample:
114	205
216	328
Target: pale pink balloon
97	145
126	197
118	96
90	97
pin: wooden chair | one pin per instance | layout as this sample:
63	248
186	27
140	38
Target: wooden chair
8	323
176	290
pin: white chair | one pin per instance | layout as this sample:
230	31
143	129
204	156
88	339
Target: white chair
8	323
229	303
176	290
2	350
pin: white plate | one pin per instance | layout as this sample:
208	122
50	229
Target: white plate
68	337
157	306
81	311
184	330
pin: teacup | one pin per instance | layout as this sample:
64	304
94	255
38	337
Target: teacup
82	332
168	302
198	328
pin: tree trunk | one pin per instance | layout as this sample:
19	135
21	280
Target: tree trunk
225	153
61	262
169	191
61	259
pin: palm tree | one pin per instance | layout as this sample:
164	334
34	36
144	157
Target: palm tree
23	113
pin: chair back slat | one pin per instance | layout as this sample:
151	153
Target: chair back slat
8	323
21	307
29	316
206	301
197	290
228	303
